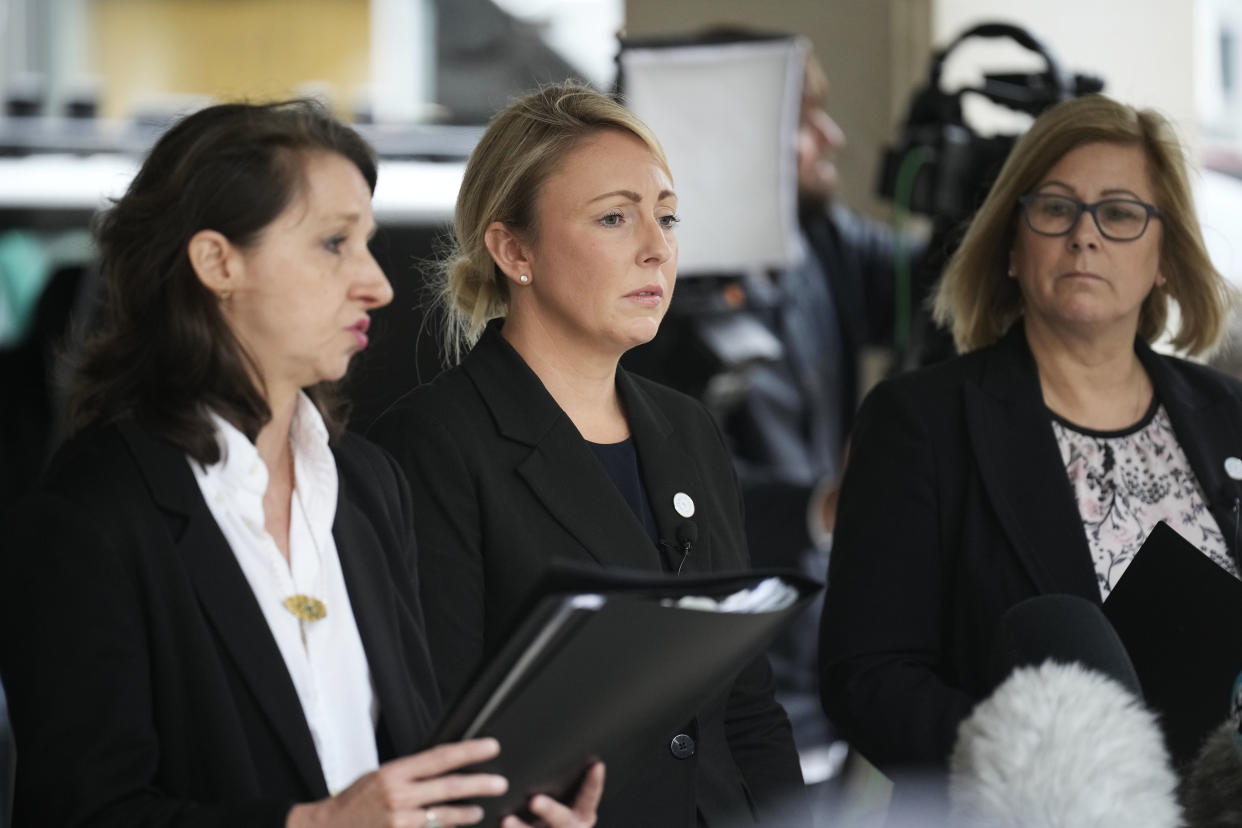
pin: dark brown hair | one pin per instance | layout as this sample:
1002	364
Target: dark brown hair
165	354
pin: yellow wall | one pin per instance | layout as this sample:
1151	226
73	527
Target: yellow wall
229	49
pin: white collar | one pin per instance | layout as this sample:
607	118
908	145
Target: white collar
241	476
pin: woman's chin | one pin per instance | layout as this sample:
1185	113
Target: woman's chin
329	373
641	333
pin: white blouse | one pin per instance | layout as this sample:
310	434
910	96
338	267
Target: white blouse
330	671
1127	481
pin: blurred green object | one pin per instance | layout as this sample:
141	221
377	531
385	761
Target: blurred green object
25	267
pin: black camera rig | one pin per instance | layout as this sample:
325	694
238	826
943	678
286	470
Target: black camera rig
940	166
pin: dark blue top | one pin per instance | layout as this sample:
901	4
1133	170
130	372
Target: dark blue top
620	460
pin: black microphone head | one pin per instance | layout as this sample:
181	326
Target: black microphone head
1062	628
687	532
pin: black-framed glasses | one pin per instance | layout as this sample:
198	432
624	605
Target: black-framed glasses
1119	219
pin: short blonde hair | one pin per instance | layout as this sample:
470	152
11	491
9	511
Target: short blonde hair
977	301
523	145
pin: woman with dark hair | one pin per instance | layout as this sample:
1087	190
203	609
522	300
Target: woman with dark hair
209	612
539	448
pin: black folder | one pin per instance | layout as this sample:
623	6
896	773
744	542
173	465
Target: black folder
1180	618
600	666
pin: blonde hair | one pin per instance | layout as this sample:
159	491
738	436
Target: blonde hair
978	301
522	146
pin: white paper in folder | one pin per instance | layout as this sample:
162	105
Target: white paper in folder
726	115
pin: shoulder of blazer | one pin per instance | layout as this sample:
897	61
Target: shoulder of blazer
1006	371
368	472
443	398
373	484
117	465
520	406
493	386
998	370
663	406
1186	382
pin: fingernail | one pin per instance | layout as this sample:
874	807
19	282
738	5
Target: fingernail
499	784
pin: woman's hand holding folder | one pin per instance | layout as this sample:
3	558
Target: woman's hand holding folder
556	815
425	791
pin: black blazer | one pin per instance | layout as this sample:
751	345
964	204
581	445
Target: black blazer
503	484
144	684
955	507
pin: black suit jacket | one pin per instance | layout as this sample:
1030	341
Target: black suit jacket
144	684
503	484
955	507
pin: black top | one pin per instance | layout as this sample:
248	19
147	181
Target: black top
620	460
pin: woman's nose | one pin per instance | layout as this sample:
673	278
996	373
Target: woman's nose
372	285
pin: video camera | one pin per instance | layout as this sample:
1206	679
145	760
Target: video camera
941	166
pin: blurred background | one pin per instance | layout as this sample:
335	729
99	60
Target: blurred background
86	86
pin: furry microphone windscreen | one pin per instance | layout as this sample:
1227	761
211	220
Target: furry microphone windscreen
1212	785
1061	746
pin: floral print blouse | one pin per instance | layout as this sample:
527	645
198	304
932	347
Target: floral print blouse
1127	481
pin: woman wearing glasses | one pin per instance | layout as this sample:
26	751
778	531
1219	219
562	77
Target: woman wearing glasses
1039	460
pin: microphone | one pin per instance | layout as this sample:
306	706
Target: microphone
1066	629
1065	738
1212	784
687	534
1233	469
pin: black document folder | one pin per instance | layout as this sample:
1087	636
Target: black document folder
1180	617
601	666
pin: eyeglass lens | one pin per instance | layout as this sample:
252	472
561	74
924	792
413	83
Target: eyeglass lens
1117	218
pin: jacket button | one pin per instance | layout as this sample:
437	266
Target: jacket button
682	746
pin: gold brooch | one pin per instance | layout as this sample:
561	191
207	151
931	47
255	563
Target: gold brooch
305	607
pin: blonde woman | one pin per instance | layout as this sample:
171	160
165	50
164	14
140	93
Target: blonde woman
538	448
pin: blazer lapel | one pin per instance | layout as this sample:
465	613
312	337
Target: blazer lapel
1208	423
1020	465
668	470
227	599
560	469
404	714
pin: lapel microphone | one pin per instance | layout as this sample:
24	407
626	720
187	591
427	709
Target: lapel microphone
687	534
1233	468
